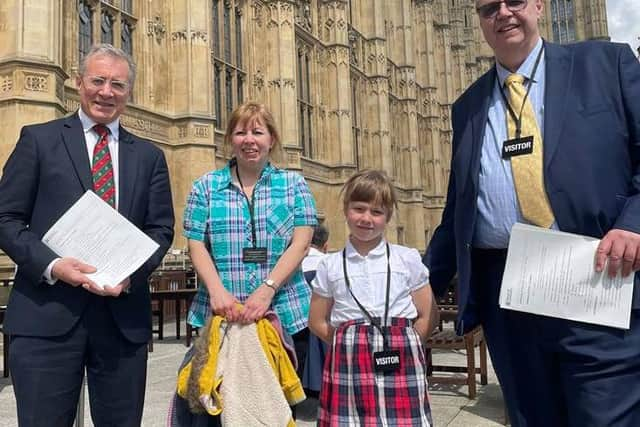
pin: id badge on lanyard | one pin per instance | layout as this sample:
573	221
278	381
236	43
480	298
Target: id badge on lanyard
386	360
254	255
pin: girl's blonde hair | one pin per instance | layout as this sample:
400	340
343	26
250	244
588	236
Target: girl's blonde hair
248	114
370	186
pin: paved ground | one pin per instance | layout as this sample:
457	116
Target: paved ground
450	404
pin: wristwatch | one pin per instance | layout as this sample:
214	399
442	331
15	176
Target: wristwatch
271	284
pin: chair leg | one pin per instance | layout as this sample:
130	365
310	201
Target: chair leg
161	320
150	344
178	307
429	356
471	365
483	362
5	355
188	333
507	421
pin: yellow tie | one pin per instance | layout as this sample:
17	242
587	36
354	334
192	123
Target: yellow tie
527	168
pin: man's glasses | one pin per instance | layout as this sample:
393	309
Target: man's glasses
490	10
117	86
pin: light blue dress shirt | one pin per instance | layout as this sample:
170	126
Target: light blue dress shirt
498	206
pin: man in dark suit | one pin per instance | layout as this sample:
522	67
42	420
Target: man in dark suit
59	320
586	113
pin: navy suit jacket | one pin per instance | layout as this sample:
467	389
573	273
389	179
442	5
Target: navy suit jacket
591	157
46	174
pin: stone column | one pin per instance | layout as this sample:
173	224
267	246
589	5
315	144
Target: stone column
334	23
30	66
184	72
279	76
377	122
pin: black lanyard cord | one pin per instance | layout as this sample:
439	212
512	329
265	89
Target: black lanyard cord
386	301
518	119
251	204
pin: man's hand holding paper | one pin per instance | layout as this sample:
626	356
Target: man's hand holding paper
92	235
621	249
552	273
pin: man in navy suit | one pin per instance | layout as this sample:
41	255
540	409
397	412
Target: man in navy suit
60	321
586	100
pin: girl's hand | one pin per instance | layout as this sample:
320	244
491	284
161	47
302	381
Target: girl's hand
223	303
257	304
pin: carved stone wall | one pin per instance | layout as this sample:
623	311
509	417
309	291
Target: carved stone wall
383	75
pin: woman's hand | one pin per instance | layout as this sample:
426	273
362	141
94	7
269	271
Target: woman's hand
257	304
223	303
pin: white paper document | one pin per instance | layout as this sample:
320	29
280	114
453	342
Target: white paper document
553	273
97	234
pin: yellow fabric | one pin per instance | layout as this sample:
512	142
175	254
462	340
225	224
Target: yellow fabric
528	169
208	385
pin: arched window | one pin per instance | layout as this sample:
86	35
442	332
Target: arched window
305	107
227	32
106	28
125	38
563	21
226	51
85	28
127	6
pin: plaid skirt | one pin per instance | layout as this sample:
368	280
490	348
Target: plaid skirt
353	394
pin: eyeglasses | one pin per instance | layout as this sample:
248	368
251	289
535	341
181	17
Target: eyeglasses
118	86
490	10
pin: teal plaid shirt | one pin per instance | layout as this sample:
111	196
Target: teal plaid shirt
217	213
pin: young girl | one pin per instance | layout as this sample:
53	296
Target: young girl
372	302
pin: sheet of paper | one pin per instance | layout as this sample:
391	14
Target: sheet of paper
97	234
552	273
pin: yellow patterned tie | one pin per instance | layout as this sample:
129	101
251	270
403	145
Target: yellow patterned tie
527	169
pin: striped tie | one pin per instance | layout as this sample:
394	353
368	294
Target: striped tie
102	171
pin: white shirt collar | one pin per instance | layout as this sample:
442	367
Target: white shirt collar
378	251
314	252
88	124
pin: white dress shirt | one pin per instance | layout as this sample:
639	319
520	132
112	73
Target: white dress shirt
368	278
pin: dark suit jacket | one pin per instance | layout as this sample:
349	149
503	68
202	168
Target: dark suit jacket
591	156
47	172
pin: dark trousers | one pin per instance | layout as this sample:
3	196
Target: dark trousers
47	373
301	344
556	372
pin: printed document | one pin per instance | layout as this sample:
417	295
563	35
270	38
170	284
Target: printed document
552	273
95	233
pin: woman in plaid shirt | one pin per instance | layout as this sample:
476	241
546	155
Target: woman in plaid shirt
249	225
373	303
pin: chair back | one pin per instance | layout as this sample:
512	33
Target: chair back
168	280
5	289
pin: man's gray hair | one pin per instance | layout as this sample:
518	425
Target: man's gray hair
114	52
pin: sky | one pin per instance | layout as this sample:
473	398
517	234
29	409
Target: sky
623	19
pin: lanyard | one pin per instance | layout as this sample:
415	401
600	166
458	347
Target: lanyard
251	204
518	119
386	301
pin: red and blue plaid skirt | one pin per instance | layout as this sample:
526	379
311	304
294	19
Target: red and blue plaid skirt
353	394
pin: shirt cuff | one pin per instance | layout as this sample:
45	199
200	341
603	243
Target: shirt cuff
48	277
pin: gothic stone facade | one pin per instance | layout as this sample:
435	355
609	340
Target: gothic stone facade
353	83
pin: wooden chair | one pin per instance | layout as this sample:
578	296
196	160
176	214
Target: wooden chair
157	310
5	290
171	286
447	339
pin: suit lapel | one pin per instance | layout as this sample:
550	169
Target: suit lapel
479	123
127	163
74	141
559	68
